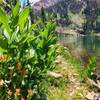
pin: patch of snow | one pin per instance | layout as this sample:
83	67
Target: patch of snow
32	2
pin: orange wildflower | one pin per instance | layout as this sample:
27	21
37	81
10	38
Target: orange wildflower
22	98
3	58
19	66
30	92
23	74
1	82
17	91
21	70
9	93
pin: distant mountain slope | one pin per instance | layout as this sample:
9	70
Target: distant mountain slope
45	3
87	8
59	7
73	4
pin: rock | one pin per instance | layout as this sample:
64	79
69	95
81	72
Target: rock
90	96
58	62
93	96
92	82
55	75
98	83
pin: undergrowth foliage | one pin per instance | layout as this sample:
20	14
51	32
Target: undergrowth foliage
27	52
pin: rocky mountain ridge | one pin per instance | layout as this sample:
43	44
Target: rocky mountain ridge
75	6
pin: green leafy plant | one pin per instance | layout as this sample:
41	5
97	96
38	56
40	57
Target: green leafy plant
27	52
91	67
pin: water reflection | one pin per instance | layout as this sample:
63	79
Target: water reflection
89	43
82	47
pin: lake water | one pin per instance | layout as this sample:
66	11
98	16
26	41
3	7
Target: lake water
82	47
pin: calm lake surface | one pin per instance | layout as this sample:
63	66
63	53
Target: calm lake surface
82	47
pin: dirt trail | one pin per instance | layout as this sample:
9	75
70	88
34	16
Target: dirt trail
76	88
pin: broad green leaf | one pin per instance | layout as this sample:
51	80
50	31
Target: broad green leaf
5	21
52	40
3	44
45	33
15	21
23	17
16	9
41	22
26	38
6	34
32	27
51	27
14	46
40	44
2	50
29	38
48	30
12	38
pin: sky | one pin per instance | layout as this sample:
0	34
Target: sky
25	1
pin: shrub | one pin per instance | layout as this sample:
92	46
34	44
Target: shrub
27	52
91	67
